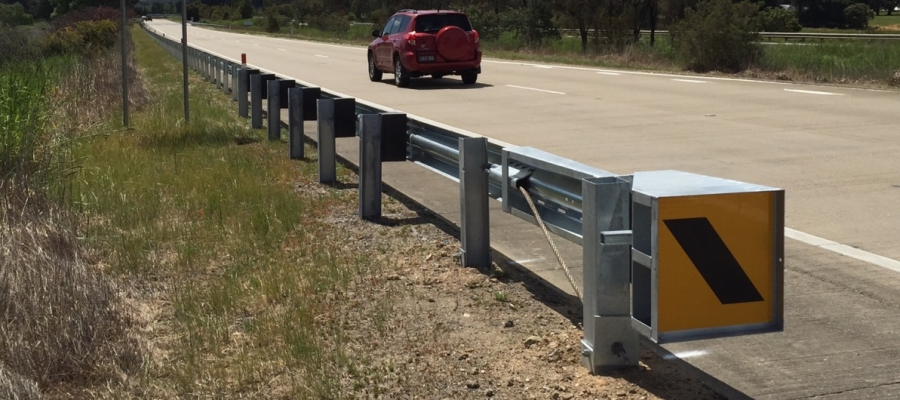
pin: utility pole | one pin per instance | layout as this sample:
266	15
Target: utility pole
184	60
124	68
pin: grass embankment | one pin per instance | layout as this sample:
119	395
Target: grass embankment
232	265
173	261
64	326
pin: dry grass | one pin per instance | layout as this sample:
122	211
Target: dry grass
16	387
64	323
65	327
93	92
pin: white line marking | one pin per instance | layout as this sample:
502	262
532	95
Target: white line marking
686	354
321	56
536	90
608	73
237	41
843	249
813	92
256	44
544	66
688	81
282	49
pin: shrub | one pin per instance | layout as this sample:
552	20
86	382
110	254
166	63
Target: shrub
857	16
379	17
777	19
245	9
717	35
15	45
272	23
85	37
14	15
332	22
484	20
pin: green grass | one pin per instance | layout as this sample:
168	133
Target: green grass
835	62
884	20
218	231
24	113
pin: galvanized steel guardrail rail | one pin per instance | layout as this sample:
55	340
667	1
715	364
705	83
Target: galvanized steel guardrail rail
585	205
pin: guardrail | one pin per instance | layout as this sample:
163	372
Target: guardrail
799	36
629	227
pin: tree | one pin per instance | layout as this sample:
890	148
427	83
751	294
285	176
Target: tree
244	8
62	7
822	13
582	13
14	15
857	16
717	35
777	19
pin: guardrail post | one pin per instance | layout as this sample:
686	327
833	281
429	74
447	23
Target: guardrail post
240	92
226	70
273	109
256	101
325	142
295	123
609	341
370	166
205	59
473	198
235	71
216	77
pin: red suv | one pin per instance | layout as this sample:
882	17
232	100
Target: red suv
418	43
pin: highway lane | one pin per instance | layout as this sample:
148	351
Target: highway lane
833	149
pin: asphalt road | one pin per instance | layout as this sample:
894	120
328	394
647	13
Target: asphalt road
832	149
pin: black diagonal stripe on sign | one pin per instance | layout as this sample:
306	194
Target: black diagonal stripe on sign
713	260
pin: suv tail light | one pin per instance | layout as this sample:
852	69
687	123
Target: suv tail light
411	38
475	35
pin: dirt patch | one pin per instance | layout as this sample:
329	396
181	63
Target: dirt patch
427	328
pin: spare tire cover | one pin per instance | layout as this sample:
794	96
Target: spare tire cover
453	43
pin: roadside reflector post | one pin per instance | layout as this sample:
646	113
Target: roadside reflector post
243	59
256	101
273	109
473	198
295	123
370	166
609	341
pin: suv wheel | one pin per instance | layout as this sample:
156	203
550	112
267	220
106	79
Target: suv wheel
401	75
374	72
469	78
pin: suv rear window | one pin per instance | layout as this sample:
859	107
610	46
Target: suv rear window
435	22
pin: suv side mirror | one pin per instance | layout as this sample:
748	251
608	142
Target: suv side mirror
376	33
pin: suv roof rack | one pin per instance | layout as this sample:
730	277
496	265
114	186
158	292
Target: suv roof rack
409	10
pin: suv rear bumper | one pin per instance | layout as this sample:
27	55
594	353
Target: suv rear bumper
417	69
